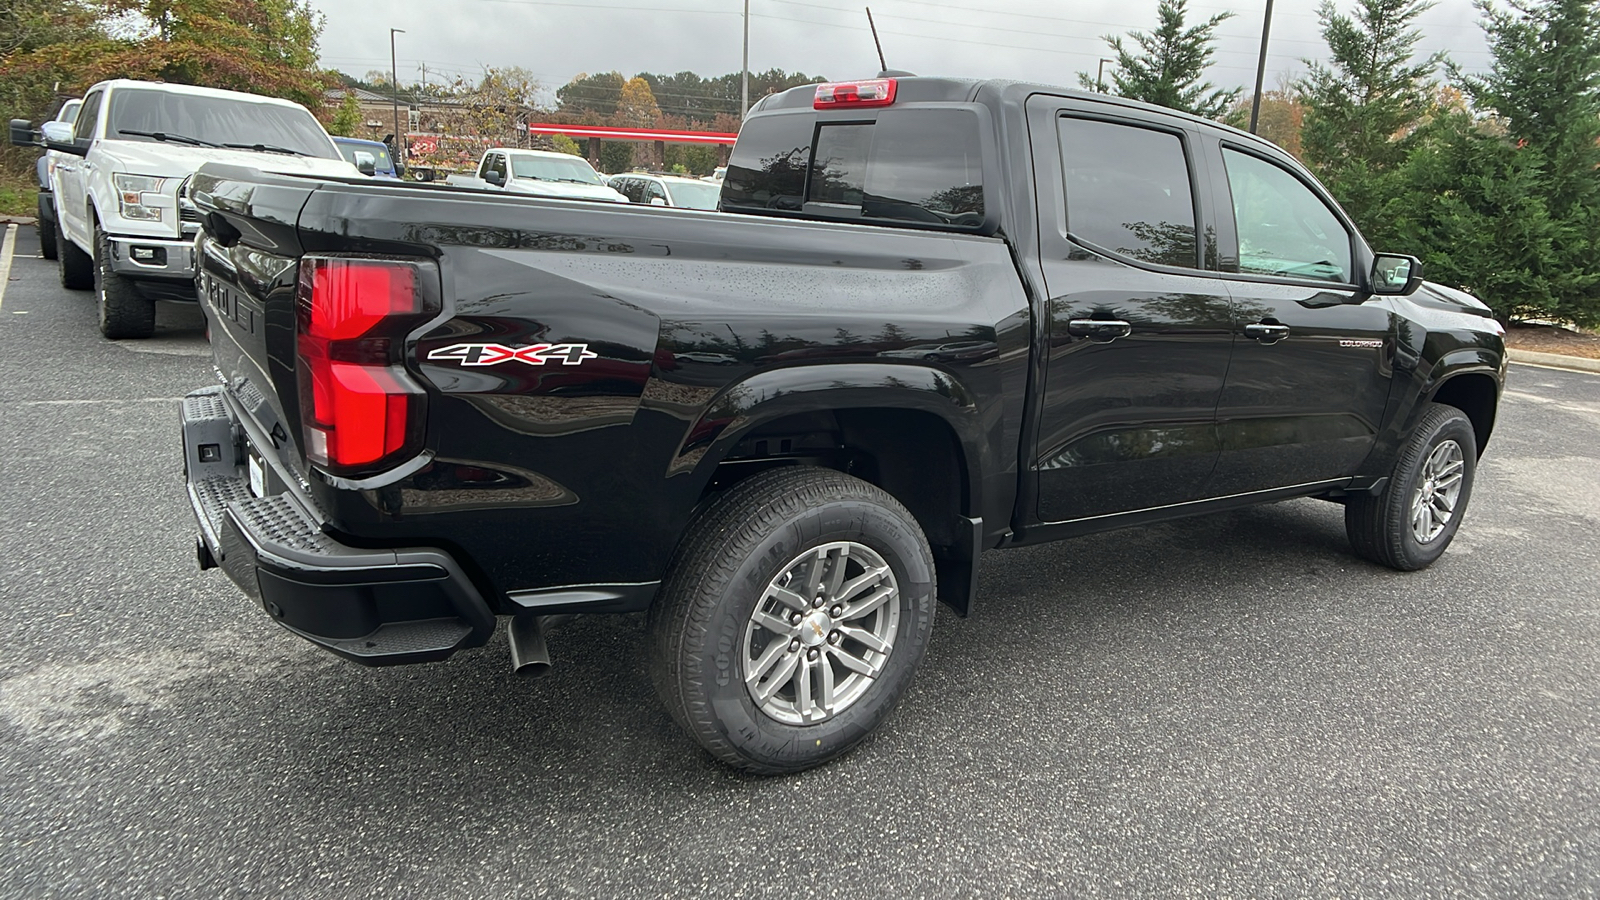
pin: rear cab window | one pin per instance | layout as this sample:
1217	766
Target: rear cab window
919	165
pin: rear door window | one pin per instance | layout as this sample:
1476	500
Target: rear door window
1128	191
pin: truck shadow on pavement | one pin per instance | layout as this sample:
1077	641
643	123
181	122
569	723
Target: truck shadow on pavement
471	718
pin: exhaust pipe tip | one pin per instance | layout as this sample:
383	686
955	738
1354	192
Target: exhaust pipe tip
530	657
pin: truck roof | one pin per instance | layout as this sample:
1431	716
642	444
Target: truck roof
116	83
935	89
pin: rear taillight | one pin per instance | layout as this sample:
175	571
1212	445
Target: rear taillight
359	410
872	92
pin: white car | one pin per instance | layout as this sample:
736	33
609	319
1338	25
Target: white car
538	173
667	190
124	229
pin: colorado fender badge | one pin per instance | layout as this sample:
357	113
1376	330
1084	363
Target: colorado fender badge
1372	345
533	354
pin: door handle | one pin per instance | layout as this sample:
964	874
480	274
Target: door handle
1102	331
1266	333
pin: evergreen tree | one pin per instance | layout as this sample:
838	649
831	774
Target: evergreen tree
1170	65
1507	205
1545	86
347	118
1361	110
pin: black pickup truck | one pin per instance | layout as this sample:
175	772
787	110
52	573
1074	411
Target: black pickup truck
932	317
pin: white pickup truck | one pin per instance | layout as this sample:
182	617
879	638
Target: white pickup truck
121	227
538	173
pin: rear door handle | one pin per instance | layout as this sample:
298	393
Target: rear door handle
1265	333
1102	331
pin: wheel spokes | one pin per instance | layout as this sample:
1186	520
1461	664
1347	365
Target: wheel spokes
821	633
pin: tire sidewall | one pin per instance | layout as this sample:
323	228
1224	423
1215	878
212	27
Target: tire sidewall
99	260
1412	552
734	714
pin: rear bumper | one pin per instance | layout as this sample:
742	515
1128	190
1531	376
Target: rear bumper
376	607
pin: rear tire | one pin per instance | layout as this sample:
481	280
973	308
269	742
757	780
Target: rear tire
763	679
124	312
77	268
46	227
1410	523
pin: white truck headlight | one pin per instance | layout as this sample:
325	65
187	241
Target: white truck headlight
139	196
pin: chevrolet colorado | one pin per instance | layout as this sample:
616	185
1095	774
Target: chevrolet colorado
932	317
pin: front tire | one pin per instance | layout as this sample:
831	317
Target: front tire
1410	523
46	226
792	619
124	312
76	266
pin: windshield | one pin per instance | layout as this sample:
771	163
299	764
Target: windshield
694	195
378	152
216	120
553	168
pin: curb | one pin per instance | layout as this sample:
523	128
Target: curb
17	220
1555	361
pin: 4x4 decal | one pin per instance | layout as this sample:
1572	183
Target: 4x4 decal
533	354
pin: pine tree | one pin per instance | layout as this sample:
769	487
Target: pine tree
1374	93
1545	86
1168	69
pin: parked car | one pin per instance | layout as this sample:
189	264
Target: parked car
949	352
464	411
667	190
44	170
120	226
369	157
538	173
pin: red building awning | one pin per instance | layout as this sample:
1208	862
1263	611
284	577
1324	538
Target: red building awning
635	134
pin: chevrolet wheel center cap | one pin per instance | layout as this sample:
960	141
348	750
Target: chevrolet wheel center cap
814	628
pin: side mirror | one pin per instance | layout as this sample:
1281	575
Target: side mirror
366	163
399	170
23	135
498	179
657	201
1395	274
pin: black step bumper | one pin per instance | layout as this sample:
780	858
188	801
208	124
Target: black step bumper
376	607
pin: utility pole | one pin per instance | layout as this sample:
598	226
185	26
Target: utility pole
1100	75
744	70
394	83
1261	68
424	73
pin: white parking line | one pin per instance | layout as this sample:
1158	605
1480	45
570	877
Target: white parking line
6	250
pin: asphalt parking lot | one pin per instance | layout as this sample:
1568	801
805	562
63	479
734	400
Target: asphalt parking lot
1233	706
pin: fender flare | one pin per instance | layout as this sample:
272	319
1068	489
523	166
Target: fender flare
772	394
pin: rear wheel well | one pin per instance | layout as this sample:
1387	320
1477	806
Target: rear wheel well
914	455
1475	395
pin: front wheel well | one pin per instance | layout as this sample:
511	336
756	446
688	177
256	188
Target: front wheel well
1475	394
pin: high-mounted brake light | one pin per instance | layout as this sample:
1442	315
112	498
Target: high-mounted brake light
359	410
873	92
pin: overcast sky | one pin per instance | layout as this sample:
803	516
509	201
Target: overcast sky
1028	39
